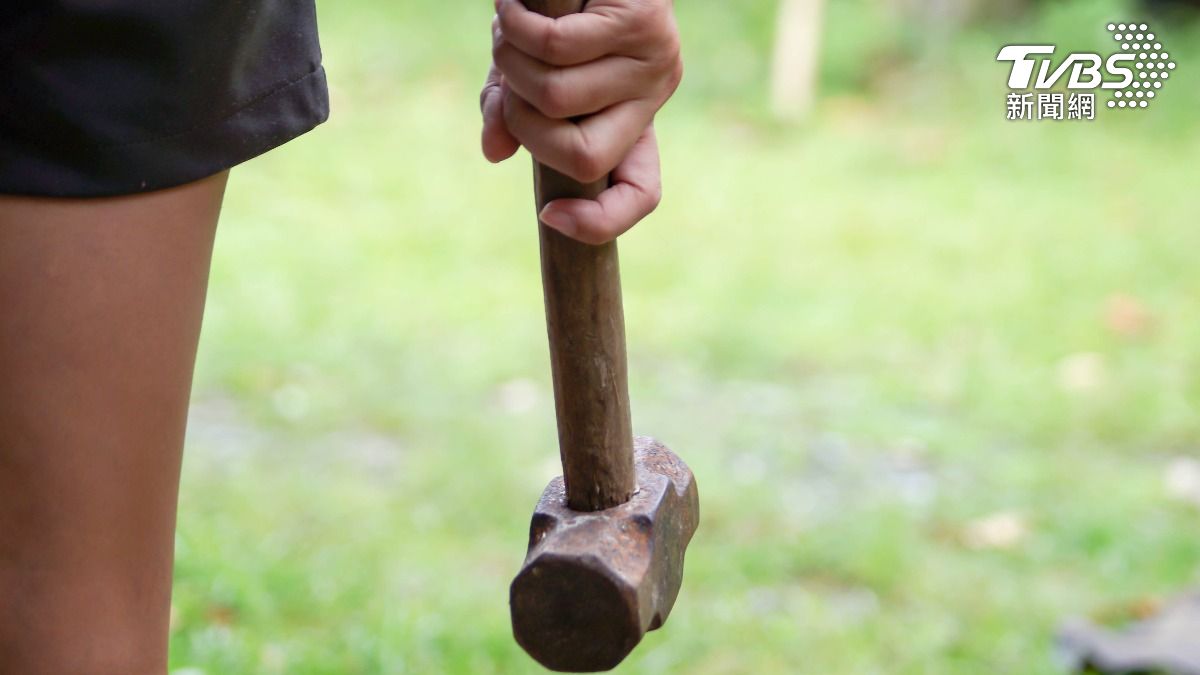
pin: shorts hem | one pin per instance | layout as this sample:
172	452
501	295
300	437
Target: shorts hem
105	170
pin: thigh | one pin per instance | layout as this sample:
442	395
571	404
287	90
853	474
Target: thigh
100	309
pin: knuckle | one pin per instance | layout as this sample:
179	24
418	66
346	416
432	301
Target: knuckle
639	37
553	97
673	49
651	26
587	166
665	67
675	78
669	51
554	44
654	197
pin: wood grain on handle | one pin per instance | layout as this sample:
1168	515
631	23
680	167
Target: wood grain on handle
585	321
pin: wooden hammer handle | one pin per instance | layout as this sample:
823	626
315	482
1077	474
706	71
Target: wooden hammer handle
586	325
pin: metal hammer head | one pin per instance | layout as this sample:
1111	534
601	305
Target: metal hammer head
594	583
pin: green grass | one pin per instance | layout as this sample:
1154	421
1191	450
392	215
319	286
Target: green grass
856	331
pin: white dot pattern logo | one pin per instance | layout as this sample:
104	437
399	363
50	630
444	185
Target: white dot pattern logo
1150	64
1135	71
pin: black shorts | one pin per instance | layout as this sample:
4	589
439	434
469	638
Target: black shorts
110	97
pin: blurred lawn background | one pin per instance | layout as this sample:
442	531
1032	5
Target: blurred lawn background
930	367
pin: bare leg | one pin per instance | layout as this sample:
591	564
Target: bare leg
100	308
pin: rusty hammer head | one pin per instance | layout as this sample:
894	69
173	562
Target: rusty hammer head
594	583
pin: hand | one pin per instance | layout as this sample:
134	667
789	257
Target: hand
581	93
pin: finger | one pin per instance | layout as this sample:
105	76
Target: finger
561	93
585	150
498	144
568	40
635	193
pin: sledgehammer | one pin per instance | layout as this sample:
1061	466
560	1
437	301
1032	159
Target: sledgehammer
607	541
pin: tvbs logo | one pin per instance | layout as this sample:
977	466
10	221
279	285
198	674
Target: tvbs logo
1135	75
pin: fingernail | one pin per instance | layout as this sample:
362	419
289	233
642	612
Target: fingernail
560	221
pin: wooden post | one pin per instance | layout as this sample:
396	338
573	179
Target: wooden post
796	66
